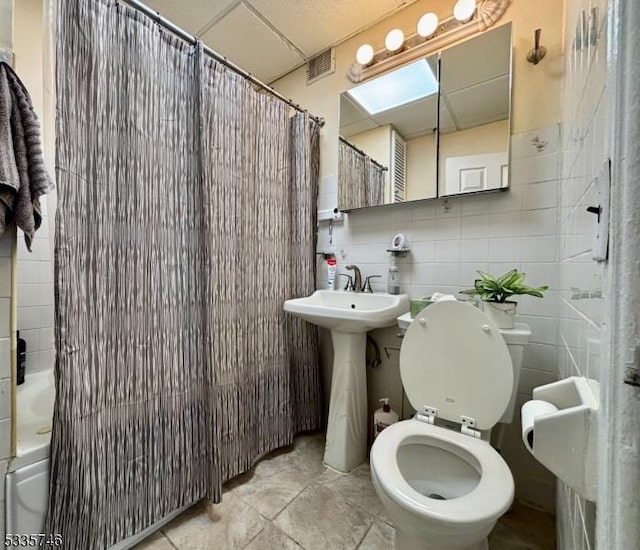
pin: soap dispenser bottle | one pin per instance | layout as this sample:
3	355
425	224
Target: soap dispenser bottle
383	417
393	278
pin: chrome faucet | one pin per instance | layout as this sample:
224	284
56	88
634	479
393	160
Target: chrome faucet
366	287
357	277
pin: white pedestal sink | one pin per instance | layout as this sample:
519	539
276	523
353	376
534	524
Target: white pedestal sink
349	315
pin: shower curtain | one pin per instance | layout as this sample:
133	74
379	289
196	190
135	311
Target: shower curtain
185	219
362	182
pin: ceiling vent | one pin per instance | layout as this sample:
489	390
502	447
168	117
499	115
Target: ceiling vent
321	65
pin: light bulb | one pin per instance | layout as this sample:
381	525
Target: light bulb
394	40
427	25
464	9
364	55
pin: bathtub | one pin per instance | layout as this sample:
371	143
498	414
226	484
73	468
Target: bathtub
34	417
27	483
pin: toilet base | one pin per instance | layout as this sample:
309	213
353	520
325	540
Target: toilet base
404	541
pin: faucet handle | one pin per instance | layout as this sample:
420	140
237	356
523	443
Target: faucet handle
366	287
349	285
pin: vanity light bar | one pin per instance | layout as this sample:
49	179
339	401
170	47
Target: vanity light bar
469	17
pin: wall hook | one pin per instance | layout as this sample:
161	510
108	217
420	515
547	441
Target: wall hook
534	56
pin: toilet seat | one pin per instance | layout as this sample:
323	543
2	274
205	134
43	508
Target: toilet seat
455	364
491	497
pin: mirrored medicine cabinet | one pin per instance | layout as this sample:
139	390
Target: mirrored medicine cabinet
435	127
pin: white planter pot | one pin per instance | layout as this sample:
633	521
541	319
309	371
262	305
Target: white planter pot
503	315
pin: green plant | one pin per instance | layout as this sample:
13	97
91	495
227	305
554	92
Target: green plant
499	289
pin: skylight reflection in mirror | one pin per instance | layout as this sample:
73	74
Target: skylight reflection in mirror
409	83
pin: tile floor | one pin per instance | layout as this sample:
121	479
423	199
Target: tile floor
290	501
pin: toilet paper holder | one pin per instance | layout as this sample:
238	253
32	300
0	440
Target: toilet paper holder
565	431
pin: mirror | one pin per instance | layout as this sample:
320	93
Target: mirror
475	102
393	120
435	127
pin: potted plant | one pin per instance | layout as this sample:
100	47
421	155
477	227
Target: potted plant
496	291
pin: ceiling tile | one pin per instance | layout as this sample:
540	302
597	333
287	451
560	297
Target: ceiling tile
483	58
313	26
191	15
412	120
350	112
481	104
250	44
447	125
357	128
270	37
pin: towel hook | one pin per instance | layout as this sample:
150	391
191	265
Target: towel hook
535	56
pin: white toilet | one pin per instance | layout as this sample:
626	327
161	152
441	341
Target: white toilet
445	489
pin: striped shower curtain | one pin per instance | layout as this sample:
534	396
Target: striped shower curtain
185	219
362	182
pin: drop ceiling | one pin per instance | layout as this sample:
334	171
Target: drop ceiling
270	38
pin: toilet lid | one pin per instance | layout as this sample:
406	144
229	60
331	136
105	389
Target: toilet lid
454	359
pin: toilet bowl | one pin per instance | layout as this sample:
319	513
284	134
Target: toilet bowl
446	489
441	489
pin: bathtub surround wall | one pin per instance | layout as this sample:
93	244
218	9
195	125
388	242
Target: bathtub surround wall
35	298
35	269
186	217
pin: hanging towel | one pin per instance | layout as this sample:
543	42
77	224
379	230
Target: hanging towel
23	176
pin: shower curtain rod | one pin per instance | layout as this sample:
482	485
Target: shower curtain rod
155	16
347	142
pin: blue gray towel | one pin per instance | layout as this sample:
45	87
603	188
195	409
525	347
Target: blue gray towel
23	176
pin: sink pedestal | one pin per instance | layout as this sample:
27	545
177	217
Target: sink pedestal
346	444
348	315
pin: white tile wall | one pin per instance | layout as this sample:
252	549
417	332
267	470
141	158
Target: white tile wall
5	439
584	148
5	357
449	240
35	322
35	298
5	398
5	279
5	318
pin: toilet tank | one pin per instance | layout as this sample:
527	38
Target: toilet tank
516	339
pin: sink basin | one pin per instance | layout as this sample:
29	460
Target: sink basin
349	315
349	311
